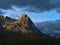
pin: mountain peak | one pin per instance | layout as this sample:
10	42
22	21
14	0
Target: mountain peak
25	21
24	24
24	15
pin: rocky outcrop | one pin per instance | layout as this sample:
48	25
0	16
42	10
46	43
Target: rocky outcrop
4	20
23	24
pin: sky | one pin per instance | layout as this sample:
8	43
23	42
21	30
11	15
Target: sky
37	10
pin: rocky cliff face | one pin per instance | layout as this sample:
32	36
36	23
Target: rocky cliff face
5	20
27	24
23	24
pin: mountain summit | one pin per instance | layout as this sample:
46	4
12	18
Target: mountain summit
27	24
25	20
23	24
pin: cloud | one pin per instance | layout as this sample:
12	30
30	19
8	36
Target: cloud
34	5
50	25
1	12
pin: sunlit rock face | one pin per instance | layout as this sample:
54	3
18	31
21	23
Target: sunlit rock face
23	24
26	22
4	20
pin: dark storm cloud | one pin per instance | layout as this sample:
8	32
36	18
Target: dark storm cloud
51	25
36	4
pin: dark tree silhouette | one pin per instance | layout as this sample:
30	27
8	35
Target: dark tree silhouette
2	36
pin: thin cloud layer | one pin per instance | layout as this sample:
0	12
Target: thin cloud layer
1	12
34	5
